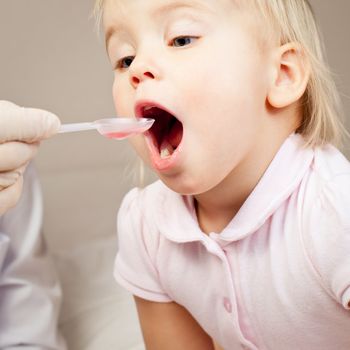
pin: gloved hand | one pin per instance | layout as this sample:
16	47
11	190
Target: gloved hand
21	130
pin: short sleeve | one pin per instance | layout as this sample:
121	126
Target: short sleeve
135	267
328	237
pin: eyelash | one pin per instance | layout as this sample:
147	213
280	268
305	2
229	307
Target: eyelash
122	61
183	37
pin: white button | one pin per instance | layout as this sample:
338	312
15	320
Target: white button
227	305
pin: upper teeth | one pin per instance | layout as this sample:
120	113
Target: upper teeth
147	108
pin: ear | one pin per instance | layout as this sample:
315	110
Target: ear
291	72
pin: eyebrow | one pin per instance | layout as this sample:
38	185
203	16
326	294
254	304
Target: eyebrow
170	7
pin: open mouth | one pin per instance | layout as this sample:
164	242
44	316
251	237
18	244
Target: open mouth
166	132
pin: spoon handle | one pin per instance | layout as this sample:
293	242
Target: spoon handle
73	127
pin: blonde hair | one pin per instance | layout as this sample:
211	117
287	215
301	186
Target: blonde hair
98	10
294	21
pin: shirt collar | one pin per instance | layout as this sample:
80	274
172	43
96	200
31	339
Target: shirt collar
177	218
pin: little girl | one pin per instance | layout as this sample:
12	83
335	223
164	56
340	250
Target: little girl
245	241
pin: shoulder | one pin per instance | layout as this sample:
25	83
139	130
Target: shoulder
327	193
329	162
140	212
145	201
138	203
326	219
329	186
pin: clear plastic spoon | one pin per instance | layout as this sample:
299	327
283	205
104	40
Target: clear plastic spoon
113	128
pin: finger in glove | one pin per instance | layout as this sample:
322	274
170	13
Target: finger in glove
10	196
26	124
13	155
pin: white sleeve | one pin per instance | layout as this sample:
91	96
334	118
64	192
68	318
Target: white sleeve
327	237
29	290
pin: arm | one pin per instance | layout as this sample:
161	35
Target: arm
29	290
170	326
217	347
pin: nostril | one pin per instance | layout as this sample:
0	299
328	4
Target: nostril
149	75
135	80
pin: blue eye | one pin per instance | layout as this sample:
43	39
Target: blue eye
125	62
182	41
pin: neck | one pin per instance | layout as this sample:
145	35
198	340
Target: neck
218	206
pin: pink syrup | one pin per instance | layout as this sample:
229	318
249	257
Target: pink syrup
119	135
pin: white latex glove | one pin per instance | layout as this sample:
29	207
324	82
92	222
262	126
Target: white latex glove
21	130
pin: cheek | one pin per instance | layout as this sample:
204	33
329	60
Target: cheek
229	91
226	104
124	105
123	101
139	145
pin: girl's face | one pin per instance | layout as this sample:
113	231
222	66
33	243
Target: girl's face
199	63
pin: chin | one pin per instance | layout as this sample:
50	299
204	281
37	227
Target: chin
184	185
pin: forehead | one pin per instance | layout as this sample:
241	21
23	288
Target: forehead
129	8
121	15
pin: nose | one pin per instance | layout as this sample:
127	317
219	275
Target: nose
141	71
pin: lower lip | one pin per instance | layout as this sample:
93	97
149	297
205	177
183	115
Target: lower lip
163	164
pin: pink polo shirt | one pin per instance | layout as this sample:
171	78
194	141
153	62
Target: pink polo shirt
277	277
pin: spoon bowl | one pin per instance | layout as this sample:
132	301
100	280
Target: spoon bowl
113	128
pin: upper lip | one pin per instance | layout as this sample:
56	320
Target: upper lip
141	105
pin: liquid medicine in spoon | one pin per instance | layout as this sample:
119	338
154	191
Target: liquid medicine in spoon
120	135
